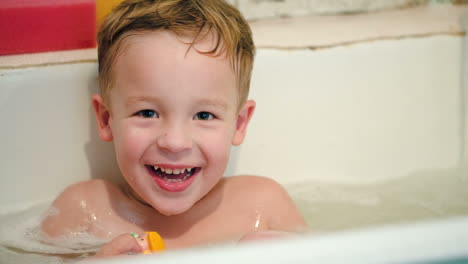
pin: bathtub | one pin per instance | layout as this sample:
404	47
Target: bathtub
372	113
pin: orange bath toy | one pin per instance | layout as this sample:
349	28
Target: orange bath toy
155	242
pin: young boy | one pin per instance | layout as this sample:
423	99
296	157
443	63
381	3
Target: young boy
174	79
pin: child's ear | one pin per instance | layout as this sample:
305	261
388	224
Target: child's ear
243	118
102	115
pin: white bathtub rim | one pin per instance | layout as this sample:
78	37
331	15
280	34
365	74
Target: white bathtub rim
424	241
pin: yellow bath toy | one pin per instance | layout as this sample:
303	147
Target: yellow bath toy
155	242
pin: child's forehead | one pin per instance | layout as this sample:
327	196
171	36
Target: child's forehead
161	59
159	51
170	42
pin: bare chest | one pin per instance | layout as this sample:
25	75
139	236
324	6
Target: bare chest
224	224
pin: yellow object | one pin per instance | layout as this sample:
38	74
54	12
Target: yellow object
155	242
104	7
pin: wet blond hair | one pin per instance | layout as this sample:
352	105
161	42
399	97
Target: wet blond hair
233	36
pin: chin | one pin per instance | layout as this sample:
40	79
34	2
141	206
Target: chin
173	210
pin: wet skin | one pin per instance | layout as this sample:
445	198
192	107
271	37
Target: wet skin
236	208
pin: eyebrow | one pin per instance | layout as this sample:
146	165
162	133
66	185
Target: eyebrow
213	102
142	98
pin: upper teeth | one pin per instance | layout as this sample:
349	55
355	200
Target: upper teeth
172	171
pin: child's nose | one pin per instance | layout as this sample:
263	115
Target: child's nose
174	139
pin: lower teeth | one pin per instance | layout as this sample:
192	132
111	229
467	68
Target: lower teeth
176	180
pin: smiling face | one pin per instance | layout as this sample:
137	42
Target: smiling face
173	116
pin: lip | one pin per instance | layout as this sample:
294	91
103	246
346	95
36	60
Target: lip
172	186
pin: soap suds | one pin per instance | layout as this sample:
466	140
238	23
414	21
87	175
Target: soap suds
22	238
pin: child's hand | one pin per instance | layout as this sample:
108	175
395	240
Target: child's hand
123	244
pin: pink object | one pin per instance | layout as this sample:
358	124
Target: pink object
28	26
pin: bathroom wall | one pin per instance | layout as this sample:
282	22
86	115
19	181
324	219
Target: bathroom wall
46	132
362	113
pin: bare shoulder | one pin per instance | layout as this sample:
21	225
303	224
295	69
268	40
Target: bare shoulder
73	209
278	207
254	186
257	187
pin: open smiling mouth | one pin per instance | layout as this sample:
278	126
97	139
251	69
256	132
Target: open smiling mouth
173	180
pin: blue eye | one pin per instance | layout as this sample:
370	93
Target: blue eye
147	113
203	116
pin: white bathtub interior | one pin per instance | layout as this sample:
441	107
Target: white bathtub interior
361	135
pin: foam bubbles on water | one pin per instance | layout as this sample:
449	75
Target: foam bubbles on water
20	232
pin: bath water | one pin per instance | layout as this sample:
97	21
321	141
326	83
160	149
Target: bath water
426	195
326	207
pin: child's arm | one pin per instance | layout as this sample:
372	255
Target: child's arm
69	212
86	208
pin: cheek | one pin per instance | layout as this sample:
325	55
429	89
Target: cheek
217	144
129	142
